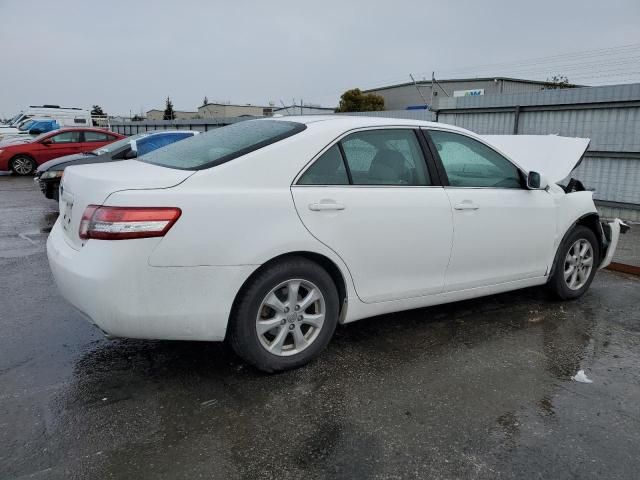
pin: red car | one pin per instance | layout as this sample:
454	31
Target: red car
24	158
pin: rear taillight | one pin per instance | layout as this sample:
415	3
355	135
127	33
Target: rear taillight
121	223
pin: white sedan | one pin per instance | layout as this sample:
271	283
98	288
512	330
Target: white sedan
270	232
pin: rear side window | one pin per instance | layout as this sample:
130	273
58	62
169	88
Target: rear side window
223	144
328	169
90	136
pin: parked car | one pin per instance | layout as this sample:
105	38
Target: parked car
267	233
65	116
28	130
24	158
48	174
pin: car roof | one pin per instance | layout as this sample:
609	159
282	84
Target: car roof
360	121
84	129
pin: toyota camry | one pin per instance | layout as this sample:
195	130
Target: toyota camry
268	233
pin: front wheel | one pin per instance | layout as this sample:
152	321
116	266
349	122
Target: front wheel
23	165
285	316
576	264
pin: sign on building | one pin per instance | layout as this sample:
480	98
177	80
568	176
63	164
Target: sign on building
468	93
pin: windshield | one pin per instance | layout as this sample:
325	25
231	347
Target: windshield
222	144
112	147
26	126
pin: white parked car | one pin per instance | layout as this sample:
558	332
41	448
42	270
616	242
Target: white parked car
270	232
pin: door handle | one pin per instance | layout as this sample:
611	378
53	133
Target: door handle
466	205
324	205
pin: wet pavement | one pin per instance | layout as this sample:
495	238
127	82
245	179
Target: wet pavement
477	389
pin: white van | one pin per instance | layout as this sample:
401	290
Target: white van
66	117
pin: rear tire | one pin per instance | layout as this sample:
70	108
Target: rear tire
285	315
23	165
576	264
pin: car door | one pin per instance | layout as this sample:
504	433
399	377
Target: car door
59	145
502	231
373	200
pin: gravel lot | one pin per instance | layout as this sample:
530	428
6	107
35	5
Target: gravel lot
477	389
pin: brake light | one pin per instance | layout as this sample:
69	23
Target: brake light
122	223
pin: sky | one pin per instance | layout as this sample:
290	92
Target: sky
128	56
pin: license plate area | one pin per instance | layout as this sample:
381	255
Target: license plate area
66	211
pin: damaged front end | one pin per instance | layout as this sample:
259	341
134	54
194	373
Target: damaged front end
610	234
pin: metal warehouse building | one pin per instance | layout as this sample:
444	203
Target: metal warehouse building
408	96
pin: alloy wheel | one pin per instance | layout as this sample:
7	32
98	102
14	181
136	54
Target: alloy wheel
578	264
290	317
22	166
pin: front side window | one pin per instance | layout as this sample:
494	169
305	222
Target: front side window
222	144
470	163
66	137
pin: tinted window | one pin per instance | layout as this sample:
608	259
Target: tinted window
469	163
223	144
328	169
385	157
96	137
66	137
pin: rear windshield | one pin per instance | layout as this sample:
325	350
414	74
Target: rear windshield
222	144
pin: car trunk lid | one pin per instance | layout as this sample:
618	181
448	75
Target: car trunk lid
85	185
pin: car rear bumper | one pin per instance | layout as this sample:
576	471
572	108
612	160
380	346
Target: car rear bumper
611	234
113	285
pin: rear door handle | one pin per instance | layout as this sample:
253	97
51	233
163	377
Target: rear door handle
326	205
466	205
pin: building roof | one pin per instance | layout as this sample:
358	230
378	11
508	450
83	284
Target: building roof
235	105
175	111
473	79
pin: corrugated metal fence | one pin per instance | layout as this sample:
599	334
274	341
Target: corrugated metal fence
609	116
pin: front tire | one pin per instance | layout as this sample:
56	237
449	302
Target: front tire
23	165
576	264
285	316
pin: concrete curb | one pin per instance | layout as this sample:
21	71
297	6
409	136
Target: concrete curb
624	268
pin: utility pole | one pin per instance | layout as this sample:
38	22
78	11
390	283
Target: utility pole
433	81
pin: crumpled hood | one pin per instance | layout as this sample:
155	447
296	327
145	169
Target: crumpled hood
553	156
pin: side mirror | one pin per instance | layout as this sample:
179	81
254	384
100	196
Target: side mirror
131	154
535	181
46	141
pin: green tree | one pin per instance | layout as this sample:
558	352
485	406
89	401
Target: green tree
558	82
169	114
137	118
355	101
97	111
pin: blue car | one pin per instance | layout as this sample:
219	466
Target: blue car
50	173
